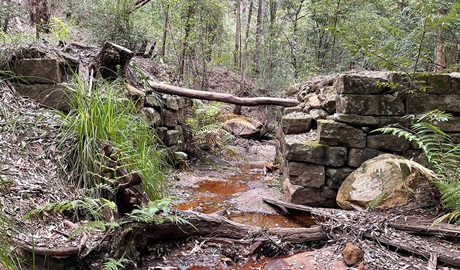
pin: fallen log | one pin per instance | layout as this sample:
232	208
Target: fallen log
229	98
396	232
215	226
415	226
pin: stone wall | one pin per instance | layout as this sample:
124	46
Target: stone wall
330	134
44	77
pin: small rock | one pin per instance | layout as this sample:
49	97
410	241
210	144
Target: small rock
352	254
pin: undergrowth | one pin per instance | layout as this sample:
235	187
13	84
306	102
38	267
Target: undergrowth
100	115
442	153
211	127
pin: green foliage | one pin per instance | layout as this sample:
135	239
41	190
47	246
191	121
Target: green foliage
156	212
101	116
442	153
210	125
88	207
62	30
115	264
117	21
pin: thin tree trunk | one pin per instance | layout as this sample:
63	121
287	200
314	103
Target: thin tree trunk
440	57
165	32
188	29
237	109
236	53
259	31
271	30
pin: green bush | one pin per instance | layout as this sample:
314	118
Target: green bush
102	116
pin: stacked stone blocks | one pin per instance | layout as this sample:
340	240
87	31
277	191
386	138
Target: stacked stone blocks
314	166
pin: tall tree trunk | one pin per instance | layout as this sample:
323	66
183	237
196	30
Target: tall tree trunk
236	53
259	31
188	28
271	32
39	13
165	32
440	57
237	109
336	21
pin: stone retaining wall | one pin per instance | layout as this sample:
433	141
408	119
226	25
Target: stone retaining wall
45	80
325	139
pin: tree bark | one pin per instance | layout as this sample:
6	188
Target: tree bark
236	53
440	57
218	226
188	28
39	13
175	90
165	32
271	32
259	32
237	109
112	61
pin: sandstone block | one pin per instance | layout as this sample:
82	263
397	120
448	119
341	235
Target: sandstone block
169	118
370	104
387	142
318	197
334	133
315	153
356	157
352	254
161	132
318	114
453	125
428	83
307	174
391	120
153	100
152	116
56	96
296	123
336	176
421	103
355	84
172	137
289	110
355	120
171	102
39	70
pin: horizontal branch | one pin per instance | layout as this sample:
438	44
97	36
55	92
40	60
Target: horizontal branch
229	98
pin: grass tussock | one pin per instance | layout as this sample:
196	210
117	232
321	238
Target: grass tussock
101	115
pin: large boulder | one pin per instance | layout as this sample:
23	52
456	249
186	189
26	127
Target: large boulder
388	176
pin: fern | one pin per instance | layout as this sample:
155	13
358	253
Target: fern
91	206
156	212
114	264
441	152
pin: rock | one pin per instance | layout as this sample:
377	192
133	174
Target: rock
333	133
172	137
336	176
172	102
440	84
307	174
314	259
355	84
316	197
169	118
352	254
46	71
387	142
318	114
56	96
453	125
112	61
245	131
289	110
422	102
153	100
372	105
151	116
357	156
387	174
314	152
355	120
295	123
312	101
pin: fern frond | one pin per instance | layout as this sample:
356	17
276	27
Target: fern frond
114	264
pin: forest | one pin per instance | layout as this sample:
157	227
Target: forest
95	185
